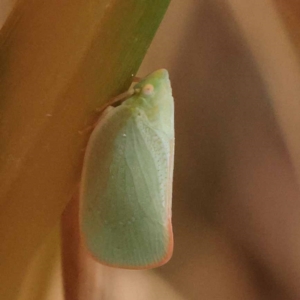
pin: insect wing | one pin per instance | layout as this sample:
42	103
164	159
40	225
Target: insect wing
126	192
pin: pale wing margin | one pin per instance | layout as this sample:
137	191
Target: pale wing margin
131	220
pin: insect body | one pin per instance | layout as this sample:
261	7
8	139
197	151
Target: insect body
126	186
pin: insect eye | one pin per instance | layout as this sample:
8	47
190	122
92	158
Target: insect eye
148	89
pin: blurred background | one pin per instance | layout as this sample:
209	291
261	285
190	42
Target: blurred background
236	196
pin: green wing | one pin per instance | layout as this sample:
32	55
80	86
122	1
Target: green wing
125	202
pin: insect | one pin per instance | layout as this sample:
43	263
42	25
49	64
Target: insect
126	184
